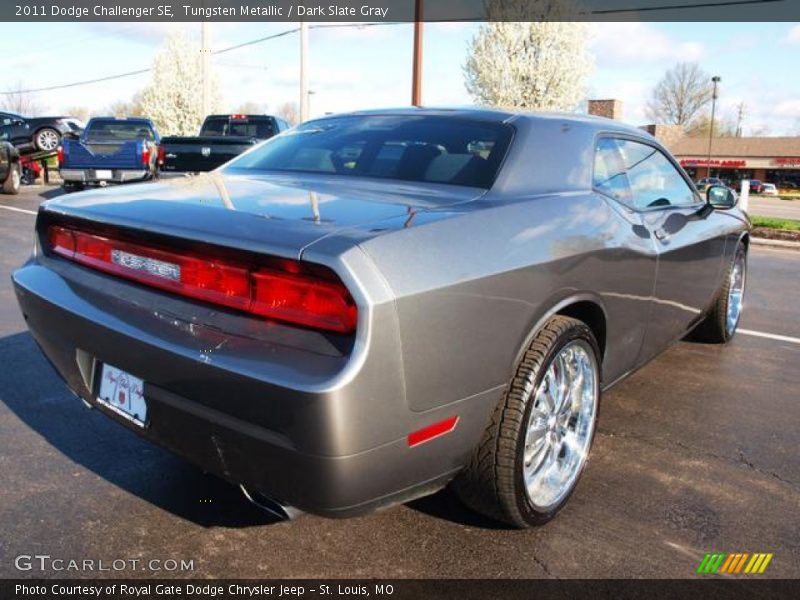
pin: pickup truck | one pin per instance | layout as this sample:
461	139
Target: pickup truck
10	178
221	138
110	150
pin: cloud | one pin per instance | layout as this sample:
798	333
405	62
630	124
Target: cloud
632	44
793	35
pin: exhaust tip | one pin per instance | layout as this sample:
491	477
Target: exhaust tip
276	508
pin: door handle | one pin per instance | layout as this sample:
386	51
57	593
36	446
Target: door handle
661	235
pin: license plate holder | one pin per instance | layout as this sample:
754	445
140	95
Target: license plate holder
104	174
122	393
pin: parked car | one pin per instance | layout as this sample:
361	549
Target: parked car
706	182
769	189
110	150
378	304
756	186
10	172
221	138
41	134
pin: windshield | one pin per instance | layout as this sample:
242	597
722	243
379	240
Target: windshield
259	128
410	148
105	131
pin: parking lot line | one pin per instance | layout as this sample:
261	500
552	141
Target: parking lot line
769	336
22	210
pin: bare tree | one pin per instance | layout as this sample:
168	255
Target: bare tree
82	113
724	126
681	96
129	108
17	100
250	108
290	112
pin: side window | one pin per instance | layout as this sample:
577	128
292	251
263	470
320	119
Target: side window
653	179
610	176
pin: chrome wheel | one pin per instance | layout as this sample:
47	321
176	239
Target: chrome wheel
47	140
560	425
15	179
735	292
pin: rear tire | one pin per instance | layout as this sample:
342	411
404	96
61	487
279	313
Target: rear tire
720	323
70	187
515	474
47	139
12	183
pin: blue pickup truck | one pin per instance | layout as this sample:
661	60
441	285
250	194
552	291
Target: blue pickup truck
110	150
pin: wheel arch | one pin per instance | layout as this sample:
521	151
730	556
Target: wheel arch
587	307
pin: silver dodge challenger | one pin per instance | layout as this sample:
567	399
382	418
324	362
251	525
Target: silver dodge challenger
372	306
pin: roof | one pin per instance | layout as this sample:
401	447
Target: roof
499	116
743	146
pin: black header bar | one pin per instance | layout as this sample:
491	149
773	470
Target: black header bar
376	11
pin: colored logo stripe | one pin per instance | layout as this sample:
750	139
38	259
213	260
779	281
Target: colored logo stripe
720	562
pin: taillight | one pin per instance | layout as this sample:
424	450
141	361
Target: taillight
284	291
60	155
146	155
162	154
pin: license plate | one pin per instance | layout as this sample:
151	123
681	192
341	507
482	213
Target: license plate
104	174
123	393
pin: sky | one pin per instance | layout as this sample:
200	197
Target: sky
367	67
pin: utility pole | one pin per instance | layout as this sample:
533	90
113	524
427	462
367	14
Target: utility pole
303	71
205	57
740	119
416	77
715	80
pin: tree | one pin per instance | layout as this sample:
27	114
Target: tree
173	98
681	96
250	108
724	126
17	100
530	65
130	108
290	112
82	113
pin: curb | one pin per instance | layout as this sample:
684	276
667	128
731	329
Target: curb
786	245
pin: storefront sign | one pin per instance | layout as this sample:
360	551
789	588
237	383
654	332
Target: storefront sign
788	161
704	162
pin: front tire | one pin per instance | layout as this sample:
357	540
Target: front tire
47	139
534	450
720	324
12	183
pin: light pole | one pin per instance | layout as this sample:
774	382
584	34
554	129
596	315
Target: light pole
715	80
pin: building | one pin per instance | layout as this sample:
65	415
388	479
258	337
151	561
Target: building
768	159
771	159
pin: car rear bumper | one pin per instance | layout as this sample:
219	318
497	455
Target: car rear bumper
323	449
89	176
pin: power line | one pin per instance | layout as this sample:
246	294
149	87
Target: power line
141	71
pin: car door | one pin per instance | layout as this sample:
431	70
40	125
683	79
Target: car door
19	132
689	239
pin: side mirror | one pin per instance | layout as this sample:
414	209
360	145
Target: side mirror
721	197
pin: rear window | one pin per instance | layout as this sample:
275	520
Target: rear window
118	131
259	128
429	149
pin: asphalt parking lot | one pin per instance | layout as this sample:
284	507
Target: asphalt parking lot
767	206
696	453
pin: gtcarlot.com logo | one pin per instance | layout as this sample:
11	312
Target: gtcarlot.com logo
45	562
735	563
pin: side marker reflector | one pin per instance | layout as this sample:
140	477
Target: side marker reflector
431	431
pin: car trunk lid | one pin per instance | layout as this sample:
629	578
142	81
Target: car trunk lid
267	214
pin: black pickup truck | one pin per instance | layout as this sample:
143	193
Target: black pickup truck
222	137
10	177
